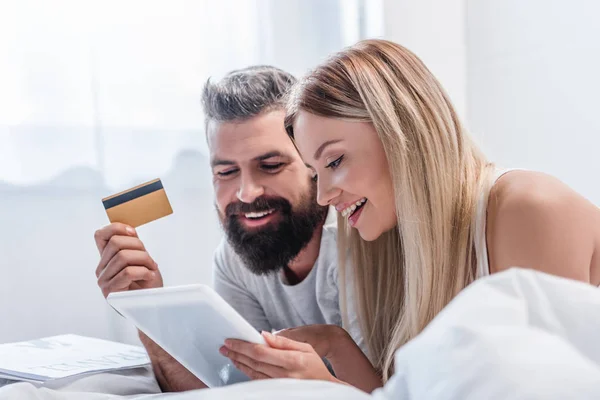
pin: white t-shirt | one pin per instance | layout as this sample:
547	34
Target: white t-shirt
269	303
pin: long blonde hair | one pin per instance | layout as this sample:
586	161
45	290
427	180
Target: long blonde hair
406	276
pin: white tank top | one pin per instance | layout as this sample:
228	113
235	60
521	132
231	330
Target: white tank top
483	266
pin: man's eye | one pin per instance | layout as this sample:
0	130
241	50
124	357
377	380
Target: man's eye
227	173
272	167
335	163
315	178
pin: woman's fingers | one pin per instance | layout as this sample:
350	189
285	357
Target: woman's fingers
259	352
249	372
262	368
283	343
290	359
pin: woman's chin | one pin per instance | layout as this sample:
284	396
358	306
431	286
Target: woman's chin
368	235
372	233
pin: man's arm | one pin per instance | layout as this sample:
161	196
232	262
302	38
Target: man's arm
126	265
170	374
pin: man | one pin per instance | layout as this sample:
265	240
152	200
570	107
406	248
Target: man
278	264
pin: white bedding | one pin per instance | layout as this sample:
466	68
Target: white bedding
514	335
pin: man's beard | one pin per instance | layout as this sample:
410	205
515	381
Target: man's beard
271	247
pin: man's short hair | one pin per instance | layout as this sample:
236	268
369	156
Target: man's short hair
246	93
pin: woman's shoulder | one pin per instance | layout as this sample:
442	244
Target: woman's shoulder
532	188
522	196
526	182
533	218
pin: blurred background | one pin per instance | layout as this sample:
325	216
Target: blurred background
97	96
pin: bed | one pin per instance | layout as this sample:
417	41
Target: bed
519	334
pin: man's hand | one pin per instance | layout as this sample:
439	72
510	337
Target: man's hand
124	262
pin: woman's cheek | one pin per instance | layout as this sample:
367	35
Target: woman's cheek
341	179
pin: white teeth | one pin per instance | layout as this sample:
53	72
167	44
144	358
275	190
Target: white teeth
351	208
254	215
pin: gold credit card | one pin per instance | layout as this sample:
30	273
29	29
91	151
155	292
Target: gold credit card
139	205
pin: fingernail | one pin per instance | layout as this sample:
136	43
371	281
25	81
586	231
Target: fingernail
223	351
266	334
228	343
130	230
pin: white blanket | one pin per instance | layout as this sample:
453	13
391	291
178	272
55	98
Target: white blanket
515	335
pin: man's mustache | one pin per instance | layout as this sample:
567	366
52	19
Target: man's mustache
258	205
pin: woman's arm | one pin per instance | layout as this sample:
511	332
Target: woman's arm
346	358
535	221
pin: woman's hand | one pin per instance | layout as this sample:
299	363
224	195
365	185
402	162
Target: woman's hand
298	352
326	340
332	342
280	358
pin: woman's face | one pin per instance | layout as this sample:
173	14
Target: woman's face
352	171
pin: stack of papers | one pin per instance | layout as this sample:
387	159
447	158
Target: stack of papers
66	356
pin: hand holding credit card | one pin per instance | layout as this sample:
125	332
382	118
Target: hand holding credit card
139	205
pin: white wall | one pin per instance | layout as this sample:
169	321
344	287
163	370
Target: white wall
533	86
523	75
48	254
435	31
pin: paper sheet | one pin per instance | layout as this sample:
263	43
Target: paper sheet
65	356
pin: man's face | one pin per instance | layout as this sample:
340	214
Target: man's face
264	193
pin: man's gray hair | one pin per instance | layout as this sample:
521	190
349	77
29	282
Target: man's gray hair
246	93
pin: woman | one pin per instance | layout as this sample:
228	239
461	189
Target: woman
422	212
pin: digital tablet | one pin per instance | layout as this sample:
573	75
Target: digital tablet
191	323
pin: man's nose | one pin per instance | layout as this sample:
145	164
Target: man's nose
249	189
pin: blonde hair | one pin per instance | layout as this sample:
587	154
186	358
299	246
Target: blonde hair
407	275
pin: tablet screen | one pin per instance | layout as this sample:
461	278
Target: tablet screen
191	323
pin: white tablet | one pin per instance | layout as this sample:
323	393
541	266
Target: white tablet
191	323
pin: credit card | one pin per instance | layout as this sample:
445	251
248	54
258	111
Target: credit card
139	205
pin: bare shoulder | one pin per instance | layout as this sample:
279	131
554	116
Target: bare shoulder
532	190
536	221
536	194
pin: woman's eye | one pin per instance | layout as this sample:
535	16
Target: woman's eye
335	163
272	167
